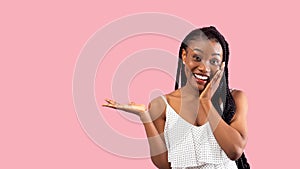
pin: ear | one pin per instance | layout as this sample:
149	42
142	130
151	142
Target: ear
183	56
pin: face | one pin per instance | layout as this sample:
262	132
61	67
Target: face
202	59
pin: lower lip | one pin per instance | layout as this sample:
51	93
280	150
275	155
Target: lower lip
199	81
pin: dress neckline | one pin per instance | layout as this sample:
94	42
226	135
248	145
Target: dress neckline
168	105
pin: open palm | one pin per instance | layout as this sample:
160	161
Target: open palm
130	107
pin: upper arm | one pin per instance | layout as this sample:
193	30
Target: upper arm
157	109
239	120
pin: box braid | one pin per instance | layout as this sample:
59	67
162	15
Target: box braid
229	106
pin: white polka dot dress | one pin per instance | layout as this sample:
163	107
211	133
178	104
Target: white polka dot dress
192	147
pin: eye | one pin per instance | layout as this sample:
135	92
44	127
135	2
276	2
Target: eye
215	62
197	58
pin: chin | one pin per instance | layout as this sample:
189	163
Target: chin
200	88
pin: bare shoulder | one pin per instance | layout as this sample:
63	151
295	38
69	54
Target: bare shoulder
240	97
157	108
241	103
174	95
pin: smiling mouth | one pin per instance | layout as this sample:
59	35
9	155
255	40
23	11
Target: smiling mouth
201	77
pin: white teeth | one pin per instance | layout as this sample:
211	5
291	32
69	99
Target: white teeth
201	77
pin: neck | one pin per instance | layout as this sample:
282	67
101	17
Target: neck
189	90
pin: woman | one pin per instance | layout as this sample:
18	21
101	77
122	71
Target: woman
202	124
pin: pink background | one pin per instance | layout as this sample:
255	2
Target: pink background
39	45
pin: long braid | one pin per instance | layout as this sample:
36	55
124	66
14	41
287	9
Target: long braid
229	106
178	74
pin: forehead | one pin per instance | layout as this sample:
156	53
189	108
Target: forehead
208	46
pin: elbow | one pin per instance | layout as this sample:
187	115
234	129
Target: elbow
160	164
235	153
236	150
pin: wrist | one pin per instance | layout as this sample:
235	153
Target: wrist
206	104
145	117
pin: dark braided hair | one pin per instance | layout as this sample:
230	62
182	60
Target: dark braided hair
229	107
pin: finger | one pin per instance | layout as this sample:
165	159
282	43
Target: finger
216	81
107	100
222	65
110	101
109	105
220	74
215	77
216	84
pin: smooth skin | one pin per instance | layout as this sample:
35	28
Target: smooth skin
193	103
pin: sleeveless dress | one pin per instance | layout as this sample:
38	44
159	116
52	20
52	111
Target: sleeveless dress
192	147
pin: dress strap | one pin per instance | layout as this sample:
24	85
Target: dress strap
164	98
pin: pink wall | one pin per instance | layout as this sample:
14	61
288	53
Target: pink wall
41	42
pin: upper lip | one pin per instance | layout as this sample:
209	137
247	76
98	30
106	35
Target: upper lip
201	74
208	77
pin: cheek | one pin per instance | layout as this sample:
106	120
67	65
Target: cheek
214	69
188	72
191	65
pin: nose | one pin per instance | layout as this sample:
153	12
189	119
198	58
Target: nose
202	67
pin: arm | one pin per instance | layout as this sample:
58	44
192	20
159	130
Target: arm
154	122
231	138
154	127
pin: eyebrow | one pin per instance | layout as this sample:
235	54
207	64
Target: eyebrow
214	54
199	50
